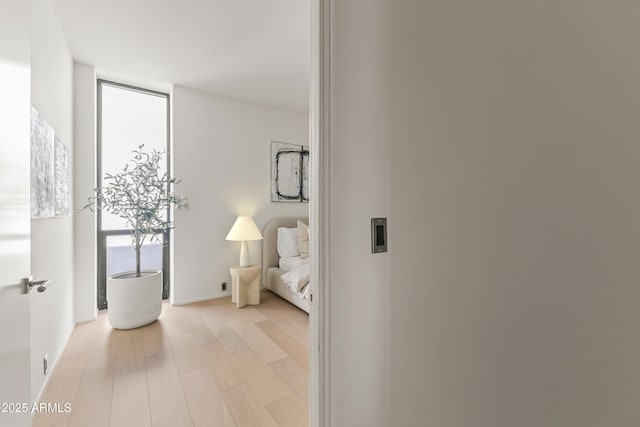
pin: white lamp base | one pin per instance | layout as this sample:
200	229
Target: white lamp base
244	255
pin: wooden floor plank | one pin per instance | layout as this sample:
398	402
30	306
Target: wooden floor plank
292	375
172	322
129	360
155	339
294	323
223	369
200	330
202	364
254	314
246	410
265	384
290	411
207	406
92	406
101	357
166	397
260	343
288	345
130	406
189	353
228	337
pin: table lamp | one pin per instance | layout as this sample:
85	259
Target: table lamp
244	229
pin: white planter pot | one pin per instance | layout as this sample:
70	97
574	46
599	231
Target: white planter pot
134	301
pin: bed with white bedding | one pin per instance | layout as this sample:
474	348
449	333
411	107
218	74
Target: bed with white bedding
295	269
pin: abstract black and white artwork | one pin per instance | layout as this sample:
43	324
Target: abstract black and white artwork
289	172
50	170
42	142
61	178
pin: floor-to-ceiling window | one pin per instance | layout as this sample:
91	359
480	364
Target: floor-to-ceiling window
127	118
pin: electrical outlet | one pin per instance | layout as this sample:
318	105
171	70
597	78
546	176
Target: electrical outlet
45	362
224	286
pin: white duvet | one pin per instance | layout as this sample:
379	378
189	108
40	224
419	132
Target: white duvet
289	263
298	277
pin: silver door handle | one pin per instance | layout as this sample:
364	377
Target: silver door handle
42	285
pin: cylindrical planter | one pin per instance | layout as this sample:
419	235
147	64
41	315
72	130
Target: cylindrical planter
134	301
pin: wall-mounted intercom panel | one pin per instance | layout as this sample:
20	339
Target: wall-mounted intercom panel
378	235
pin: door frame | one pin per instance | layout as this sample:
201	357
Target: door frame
319	123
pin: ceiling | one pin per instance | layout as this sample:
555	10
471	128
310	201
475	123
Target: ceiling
255	50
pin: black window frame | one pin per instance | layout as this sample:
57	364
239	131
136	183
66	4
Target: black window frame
102	235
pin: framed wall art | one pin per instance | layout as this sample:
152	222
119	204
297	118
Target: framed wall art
289	172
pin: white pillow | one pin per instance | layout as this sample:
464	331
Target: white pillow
288	242
303	239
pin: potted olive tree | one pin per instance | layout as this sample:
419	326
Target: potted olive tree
140	194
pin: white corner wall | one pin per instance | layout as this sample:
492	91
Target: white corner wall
360	281
515	233
52	312
84	169
221	151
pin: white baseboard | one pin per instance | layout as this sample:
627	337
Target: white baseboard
50	369
201	298
91	318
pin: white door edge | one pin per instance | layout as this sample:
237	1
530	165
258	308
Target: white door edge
319	385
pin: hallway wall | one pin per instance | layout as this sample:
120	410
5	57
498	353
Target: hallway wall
52	312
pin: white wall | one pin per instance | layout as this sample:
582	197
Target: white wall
84	169
515	233
221	151
52	313
359	190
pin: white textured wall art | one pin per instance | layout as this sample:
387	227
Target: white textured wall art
42	141
62	178
50	171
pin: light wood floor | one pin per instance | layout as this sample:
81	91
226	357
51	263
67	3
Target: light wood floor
203	364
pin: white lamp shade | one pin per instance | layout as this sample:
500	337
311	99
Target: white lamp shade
244	229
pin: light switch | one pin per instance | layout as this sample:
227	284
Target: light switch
378	235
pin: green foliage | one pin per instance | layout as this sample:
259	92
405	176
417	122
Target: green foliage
140	194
